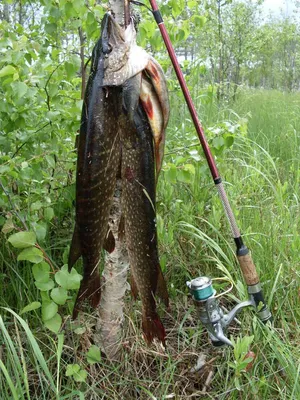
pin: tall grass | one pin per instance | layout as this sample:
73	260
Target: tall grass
261	173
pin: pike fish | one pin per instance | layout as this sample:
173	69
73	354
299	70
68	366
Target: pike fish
124	117
138	205
128	64
155	100
97	166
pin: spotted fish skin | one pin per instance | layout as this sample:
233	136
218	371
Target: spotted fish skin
155	100
138	203
97	165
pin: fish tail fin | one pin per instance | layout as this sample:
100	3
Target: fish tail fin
161	288
90	289
153	328
75	250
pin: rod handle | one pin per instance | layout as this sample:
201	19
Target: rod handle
247	266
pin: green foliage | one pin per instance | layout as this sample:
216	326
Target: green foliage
22	240
256	143
78	374
242	358
93	355
31	254
68	280
31	307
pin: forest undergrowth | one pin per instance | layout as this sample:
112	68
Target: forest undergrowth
256	142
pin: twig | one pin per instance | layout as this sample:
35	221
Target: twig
13	206
83	65
182	148
208	380
47	259
23	144
47	83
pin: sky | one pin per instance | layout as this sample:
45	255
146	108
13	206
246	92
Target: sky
276	5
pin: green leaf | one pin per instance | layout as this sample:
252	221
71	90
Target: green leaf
48	213
21	240
80	330
184	176
30	307
177	7
20	89
36	206
68	280
70	69
8	226
45	286
69	10
50	28
41	272
80	376
200	20
93	356
54	323
40	230
171	174
59	295
229	139
218	142
7	70
31	254
49	310
190	168
50	161
72	369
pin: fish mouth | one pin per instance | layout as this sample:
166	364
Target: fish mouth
115	34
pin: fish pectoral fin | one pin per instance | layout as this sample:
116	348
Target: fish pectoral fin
75	249
153	328
90	289
109	243
131	95
161	288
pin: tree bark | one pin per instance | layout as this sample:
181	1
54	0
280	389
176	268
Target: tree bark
109	326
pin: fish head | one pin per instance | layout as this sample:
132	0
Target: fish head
116	50
125	58
115	34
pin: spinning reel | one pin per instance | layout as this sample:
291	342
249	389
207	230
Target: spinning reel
213	316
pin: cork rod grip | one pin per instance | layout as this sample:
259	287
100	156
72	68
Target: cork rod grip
248	268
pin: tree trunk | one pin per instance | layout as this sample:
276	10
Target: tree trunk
220	39
109	327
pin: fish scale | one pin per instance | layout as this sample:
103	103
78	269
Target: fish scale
97	165
138	202
117	129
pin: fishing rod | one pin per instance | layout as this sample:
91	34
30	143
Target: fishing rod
211	314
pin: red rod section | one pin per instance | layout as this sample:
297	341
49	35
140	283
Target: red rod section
210	159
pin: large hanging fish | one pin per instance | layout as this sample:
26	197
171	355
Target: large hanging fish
127	100
97	166
138	204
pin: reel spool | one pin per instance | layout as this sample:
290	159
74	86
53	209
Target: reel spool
211	313
201	288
